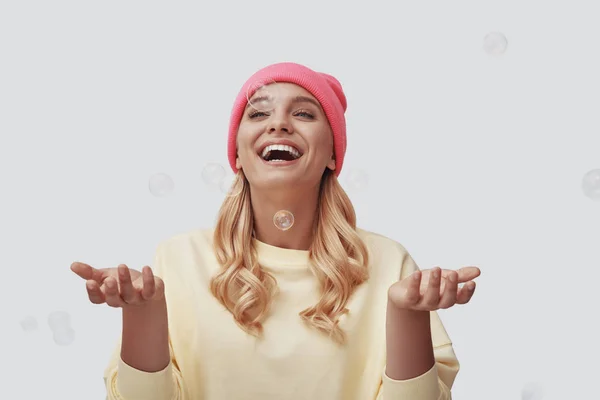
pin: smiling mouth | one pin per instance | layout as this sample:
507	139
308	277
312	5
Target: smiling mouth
280	152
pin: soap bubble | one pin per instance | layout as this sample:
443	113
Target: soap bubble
29	323
262	95
495	43
591	184
58	320
161	185
63	336
357	180
283	220
230	186
60	325
213	174
532	391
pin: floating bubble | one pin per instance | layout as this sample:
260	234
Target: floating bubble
591	184
213	174
58	320
29	323
495	43
283	220
231	186
262	95
161	185
532	391
64	336
357	180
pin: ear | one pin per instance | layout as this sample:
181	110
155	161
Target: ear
238	164
331	163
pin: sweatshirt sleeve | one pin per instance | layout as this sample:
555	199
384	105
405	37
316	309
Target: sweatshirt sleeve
124	382
436	383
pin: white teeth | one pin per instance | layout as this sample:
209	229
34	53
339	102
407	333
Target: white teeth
281	147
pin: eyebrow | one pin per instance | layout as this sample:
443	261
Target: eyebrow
297	99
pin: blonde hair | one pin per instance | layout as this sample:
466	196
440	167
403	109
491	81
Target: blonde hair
338	258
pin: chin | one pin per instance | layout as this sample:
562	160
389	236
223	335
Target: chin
281	179
278	179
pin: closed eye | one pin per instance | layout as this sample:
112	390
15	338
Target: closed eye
257	114
304	114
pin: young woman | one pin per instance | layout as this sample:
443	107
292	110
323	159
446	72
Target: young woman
285	298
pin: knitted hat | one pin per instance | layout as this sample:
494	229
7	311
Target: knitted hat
325	88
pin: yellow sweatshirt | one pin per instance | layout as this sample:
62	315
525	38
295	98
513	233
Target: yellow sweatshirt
213	359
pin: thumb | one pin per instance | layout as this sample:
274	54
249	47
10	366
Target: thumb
87	272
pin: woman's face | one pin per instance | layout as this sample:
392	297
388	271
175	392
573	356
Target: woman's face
284	138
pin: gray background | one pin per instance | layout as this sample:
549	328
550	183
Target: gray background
470	158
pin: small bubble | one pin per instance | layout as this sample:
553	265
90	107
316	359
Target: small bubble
532	391
213	174
58	320
231	186
283	220
591	184
64	336
262	95
495	43
357	180
161	185
29	323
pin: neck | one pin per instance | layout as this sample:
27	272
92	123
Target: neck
302	203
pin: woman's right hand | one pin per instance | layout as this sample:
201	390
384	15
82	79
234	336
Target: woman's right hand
120	287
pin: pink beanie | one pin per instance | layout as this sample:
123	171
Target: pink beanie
325	88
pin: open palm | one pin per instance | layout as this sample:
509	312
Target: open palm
434	289
121	286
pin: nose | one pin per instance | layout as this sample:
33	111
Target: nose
279	124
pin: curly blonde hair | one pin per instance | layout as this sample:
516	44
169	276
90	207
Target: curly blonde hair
338	258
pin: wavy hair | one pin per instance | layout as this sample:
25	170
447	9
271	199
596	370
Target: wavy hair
338	258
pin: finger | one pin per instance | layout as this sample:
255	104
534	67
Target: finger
450	289
86	271
149	288
94	293
407	292
466	293
466	274
110	289
431	297
128	293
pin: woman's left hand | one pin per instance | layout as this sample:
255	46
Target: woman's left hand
434	289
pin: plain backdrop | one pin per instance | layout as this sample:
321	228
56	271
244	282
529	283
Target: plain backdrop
464	155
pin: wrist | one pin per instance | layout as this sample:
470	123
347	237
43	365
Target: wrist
150	317
406	313
149	307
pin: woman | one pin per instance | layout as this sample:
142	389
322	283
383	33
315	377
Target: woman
251	310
